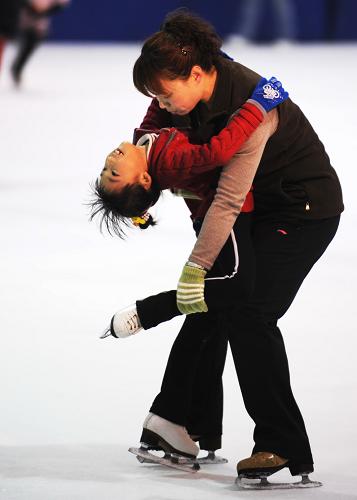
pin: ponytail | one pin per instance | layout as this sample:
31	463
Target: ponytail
118	210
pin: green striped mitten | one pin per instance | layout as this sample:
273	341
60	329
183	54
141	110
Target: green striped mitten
190	290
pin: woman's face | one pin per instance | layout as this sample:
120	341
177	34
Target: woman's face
125	165
180	96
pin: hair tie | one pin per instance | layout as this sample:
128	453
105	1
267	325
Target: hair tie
143	221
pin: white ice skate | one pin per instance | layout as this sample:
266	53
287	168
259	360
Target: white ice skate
180	451
124	323
170	437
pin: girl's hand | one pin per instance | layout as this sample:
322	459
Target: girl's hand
269	93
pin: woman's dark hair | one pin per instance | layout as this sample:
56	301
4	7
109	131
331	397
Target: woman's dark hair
185	40
116	208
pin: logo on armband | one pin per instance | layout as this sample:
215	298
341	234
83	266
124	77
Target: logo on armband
270	92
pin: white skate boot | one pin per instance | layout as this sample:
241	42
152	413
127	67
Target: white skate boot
124	323
172	438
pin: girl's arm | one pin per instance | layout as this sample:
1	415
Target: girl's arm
172	152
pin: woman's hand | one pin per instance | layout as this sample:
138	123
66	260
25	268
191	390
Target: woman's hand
190	290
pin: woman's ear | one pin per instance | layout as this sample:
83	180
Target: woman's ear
196	73
145	180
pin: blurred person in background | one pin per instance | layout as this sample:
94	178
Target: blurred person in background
251	12
9	12
34	25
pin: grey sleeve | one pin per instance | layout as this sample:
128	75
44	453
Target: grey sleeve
234	183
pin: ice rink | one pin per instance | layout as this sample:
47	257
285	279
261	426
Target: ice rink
72	404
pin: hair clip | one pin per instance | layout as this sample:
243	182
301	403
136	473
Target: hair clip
183	50
137	220
143	221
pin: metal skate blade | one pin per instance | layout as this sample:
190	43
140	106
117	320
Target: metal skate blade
212	461
148	457
106	333
262	483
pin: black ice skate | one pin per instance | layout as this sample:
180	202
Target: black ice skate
254	471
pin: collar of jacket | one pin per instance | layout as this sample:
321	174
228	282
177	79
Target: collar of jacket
234	85
220	102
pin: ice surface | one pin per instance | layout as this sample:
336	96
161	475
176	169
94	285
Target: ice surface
72	404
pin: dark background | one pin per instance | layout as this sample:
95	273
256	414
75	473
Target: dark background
116	20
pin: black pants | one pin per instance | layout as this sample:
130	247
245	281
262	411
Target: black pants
284	254
28	42
228	283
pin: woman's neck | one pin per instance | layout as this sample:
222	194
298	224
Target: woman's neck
210	83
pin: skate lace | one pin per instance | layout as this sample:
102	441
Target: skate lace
132	322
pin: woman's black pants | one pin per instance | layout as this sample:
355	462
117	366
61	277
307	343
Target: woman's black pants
191	393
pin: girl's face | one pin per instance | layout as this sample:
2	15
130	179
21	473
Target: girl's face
180	96
125	165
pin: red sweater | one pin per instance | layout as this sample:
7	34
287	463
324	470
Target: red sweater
176	163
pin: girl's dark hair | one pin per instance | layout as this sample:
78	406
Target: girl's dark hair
116	208
183	41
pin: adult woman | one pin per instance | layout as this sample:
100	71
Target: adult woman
297	206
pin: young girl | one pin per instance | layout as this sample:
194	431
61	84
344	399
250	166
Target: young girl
133	177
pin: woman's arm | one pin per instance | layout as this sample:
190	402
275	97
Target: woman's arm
235	181
172	153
